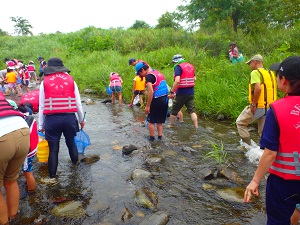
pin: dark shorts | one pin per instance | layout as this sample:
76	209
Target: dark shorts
136	92
281	199
158	110
56	124
116	89
25	83
180	101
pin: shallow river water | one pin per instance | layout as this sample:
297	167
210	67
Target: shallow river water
105	188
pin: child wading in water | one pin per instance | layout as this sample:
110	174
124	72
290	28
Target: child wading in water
116	87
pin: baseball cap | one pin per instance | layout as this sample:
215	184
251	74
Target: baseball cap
257	57
177	58
139	66
131	60
289	67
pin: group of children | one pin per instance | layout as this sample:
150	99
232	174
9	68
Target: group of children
16	76
138	89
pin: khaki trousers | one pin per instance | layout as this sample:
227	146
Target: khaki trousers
246	118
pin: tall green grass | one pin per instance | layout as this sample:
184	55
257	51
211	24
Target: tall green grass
92	54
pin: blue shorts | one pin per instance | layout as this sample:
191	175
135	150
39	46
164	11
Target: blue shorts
116	89
29	164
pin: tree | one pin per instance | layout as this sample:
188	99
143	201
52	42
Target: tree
22	26
3	33
167	20
140	24
246	14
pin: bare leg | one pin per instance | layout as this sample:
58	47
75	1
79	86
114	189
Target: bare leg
120	98
141	100
172	119
194	119
12	197
113	98
159	128
3	211
132	98
31	185
180	116
151	129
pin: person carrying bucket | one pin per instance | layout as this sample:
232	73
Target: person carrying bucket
57	113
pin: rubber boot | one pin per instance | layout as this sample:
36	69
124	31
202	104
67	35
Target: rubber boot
247	140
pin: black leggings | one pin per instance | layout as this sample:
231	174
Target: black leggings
53	155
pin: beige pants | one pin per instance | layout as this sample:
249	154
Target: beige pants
246	118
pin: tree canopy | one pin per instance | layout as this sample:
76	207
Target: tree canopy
244	14
22	26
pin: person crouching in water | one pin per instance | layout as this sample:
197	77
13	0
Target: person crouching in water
157	102
116	87
59	100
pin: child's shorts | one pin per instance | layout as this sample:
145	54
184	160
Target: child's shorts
116	89
12	85
29	165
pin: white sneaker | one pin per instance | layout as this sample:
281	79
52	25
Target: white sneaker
49	180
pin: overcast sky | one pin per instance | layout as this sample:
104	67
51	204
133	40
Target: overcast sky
70	16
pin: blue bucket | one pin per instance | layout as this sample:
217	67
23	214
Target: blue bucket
82	140
108	90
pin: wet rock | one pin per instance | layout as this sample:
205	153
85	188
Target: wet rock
221	116
41	220
231	175
145	198
158	218
169	153
206	173
90	159
140	174
89	101
72	209
188	149
106	101
207	186
126	215
153	160
89	91
232	194
127	149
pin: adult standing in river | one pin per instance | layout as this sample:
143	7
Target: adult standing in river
14	145
59	100
157	101
183	89
262	92
281	143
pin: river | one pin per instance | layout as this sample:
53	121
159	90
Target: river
105	188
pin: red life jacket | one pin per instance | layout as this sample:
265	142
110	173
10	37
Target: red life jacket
30	68
160	87
187	78
6	109
31	97
27	76
287	162
34	137
115	80
59	94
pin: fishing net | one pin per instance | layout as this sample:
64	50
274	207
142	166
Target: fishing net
82	140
